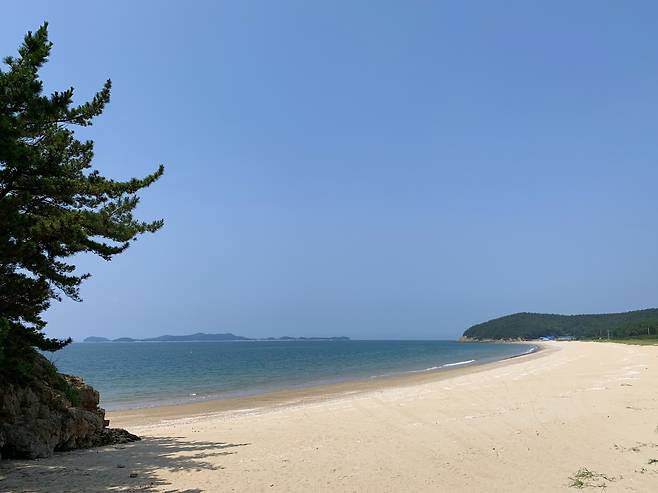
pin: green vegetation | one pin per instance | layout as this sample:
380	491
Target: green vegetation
53	205
639	341
586	478
640	323
50	374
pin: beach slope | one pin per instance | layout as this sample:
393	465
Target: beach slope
529	424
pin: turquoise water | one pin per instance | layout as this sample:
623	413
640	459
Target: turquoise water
132	375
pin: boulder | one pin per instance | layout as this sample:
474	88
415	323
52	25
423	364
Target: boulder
54	412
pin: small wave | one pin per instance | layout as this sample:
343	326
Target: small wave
424	369
468	362
397	373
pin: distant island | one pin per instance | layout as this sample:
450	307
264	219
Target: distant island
536	325
201	337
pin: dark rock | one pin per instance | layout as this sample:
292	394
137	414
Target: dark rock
87	396
53	413
115	436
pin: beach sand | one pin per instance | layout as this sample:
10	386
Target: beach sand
523	425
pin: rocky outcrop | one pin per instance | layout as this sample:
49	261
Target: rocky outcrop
54	412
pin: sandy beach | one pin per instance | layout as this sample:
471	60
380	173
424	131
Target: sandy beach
527	424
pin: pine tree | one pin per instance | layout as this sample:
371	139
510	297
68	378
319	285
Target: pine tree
53	205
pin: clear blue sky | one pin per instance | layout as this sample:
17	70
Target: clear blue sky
371	169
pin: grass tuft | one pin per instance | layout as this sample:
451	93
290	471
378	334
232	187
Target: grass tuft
585	478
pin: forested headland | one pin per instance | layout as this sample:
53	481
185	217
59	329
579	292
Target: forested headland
525	325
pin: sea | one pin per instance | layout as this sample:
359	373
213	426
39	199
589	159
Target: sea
146	374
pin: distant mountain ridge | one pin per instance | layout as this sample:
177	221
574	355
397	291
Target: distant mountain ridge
201	337
535	325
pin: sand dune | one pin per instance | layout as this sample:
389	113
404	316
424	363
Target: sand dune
526	425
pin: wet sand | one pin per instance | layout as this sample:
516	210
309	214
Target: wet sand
305	395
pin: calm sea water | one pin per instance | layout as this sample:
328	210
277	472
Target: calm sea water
145	374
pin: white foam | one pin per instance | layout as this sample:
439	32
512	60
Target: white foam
431	368
468	362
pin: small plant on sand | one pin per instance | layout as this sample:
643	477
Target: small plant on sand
585	478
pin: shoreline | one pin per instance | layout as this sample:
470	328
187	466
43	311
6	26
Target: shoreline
531	423
153	415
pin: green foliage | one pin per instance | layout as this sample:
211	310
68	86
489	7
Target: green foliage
644	329
636	341
535	325
19	365
53	205
48	372
16	355
72	395
584	478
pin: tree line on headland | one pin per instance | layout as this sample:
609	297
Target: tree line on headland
535	325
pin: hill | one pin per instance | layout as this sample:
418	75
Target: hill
200	337
96	339
535	325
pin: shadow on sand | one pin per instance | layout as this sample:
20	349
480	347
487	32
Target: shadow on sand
140	466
